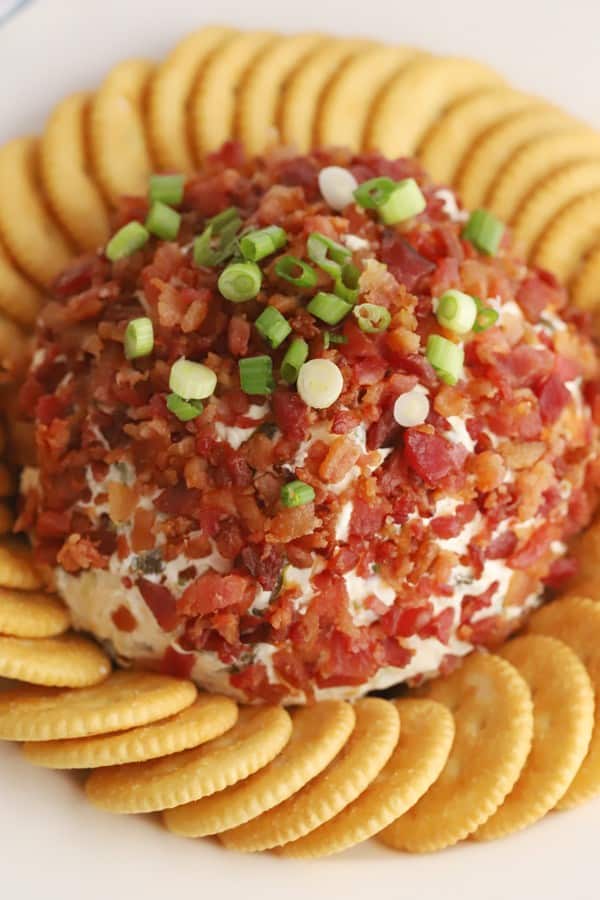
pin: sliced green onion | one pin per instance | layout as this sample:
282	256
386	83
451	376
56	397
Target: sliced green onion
320	383
163	221
346	284
328	308
329	337
127	240
446	358
139	338
373	193
240	281
273	326
258	244
296	271
184	410
192	380
404	202
484	231
486	317
218	240
256	375
166	189
457	311
372	318
229	218
296	355
297	493
327	254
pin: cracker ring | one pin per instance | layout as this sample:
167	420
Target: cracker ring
64	661
570	237
32	615
19	298
16	567
585	294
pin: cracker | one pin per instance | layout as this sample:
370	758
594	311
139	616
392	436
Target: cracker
13	344
16	567
570	237
493	714
499	144
207	718
346	103
32	615
416	97
563	720
170	94
125	700
585	294
119	151
449	140
64	661
318	734
64	167
261	88
426	733
258	736
19	298
31	235
7	520
576	621
360	761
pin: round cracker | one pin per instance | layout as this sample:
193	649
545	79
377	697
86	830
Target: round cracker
16	567
574	232
125	700
19	298
449	140
208	717
260	91
64	661
64	167
318	734
563	720
493	714
576	621
30	233
585	294
14	346
426	734
360	761
346	103
32	615
7	520
170	93
212	103
499	144
416	97
119	151
258	736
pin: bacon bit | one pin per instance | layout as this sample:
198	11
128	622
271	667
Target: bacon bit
290	524
211	592
53	524
344	421
560	572
431	456
122	501
406	265
440	626
402	341
538	292
177	664
79	553
291	414
404	621
502	546
519	455
534	549
253	681
124	619
265	564
489	470
142	535
238	335
160	602
342	455
366	520
553	398
451	526
395	654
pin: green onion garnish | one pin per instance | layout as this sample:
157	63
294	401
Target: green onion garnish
346	284
230	217
484	231
166	189
404	202
256	375
446	358
163	221
296	271
327	254
372	318
296	355
273	326
127	240
218	240
328	308
184	410
297	493
139	338
486	317
373	193
258	244
457	311
329	337
192	380
240	281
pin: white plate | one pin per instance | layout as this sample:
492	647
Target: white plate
52	844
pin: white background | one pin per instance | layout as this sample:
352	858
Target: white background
52	845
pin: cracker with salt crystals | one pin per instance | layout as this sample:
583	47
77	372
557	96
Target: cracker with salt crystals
65	171
318	734
576	621
19	299
493	714
32	615
259	734
16	566
570	237
64	661
208	717
563	720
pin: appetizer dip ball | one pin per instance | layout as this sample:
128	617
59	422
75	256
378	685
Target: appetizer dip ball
306	429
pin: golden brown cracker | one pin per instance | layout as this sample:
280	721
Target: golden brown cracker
30	233
572	234
65	661
208	717
72	192
19	299
171	92
16	566
318	734
563	720
258	736
585	294
368	749
493	714
32	615
119	150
